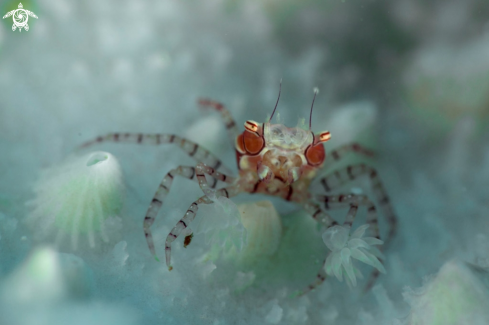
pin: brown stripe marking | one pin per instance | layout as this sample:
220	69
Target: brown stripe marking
314	216
326	200
326	187
256	187
157	201
194	150
289	195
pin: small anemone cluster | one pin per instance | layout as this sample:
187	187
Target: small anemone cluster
344	247
81	196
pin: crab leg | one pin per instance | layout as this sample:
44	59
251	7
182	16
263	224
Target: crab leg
229	122
192	149
353	201
324	219
349	173
319	215
340	152
342	176
339	201
320	277
189	216
164	188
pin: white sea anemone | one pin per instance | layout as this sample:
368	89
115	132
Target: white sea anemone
344	246
81	196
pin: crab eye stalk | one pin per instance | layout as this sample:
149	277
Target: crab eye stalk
324	136
251	126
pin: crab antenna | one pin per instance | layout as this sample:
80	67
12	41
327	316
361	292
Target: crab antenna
316	90
279	91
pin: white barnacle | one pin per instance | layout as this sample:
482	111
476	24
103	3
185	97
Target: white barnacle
344	247
81	196
264	229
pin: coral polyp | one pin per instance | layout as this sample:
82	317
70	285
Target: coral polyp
77	198
344	247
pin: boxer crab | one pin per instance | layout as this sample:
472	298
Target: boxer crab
278	161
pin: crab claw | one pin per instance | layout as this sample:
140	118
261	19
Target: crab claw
293	175
265	173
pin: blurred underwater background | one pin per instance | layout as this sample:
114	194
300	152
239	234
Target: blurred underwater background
408	79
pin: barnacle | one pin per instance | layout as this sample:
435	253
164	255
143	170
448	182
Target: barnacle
264	228
78	197
47	276
344	247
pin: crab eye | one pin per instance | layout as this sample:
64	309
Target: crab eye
315	154
253	143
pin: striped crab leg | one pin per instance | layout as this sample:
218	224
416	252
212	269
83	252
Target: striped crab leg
229	122
339	201
341	176
165	186
320	278
353	201
182	224
340	152
191	148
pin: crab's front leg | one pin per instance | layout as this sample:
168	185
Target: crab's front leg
342	176
165	186
189	216
353	202
343	243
